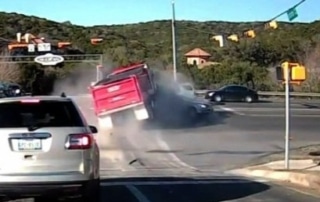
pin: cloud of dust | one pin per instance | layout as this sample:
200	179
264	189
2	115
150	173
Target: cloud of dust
78	81
168	109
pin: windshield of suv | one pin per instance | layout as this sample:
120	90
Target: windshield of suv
43	113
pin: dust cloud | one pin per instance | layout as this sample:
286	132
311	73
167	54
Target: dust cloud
78	81
168	107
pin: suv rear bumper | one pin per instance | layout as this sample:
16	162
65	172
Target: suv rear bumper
16	190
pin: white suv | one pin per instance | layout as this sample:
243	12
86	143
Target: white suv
47	149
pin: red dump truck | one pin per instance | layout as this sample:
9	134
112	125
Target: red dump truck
127	89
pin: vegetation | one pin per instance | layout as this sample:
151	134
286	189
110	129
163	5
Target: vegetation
151	41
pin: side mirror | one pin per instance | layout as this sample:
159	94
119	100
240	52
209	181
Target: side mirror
93	129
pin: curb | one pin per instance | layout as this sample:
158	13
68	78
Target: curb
301	179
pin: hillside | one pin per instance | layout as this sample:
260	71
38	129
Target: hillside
152	40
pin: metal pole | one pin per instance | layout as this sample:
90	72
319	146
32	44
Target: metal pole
174	51
101	69
287	138
97	73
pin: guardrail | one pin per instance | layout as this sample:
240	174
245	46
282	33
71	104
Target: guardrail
274	94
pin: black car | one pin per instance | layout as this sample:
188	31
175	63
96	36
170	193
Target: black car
172	107
10	90
233	93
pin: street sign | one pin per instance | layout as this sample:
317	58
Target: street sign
292	13
44	47
31	48
49	59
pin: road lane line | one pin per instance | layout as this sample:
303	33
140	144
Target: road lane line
174	157
267	109
230	110
137	193
181	182
283	115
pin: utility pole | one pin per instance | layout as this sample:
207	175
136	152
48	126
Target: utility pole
174	51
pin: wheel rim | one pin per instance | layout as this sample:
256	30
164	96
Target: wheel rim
248	99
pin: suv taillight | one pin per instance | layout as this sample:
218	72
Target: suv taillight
79	141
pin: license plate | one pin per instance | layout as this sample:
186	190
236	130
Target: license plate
32	144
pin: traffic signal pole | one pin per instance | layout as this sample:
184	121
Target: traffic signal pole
287	124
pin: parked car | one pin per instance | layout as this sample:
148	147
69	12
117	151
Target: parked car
47	149
233	93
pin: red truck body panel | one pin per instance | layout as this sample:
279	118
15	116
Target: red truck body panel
124	88
116	95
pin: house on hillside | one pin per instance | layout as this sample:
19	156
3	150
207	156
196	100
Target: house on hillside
199	57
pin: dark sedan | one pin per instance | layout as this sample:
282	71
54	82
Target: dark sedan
172	107
233	93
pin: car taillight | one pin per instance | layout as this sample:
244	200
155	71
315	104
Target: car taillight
79	141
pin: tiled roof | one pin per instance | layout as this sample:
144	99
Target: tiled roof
197	52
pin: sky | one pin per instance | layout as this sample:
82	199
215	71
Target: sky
108	12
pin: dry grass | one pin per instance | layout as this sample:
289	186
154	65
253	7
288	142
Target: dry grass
312	63
301	153
9	72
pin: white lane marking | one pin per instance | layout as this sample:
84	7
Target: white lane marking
183	182
166	147
283	115
137	193
267	109
229	110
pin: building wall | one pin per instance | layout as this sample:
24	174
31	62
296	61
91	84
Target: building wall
196	60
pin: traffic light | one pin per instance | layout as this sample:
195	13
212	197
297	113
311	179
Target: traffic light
250	33
273	24
279	73
297	72
233	37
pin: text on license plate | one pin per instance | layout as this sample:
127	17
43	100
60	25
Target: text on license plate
32	144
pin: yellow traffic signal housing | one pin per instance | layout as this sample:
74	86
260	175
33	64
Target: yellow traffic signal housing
297	72
218	38
273	24
250	33
233	37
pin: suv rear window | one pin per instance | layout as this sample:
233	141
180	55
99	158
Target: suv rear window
45	113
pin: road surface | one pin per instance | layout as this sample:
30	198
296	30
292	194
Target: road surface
145	164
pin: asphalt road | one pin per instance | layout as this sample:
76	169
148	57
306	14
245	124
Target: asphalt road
156	163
